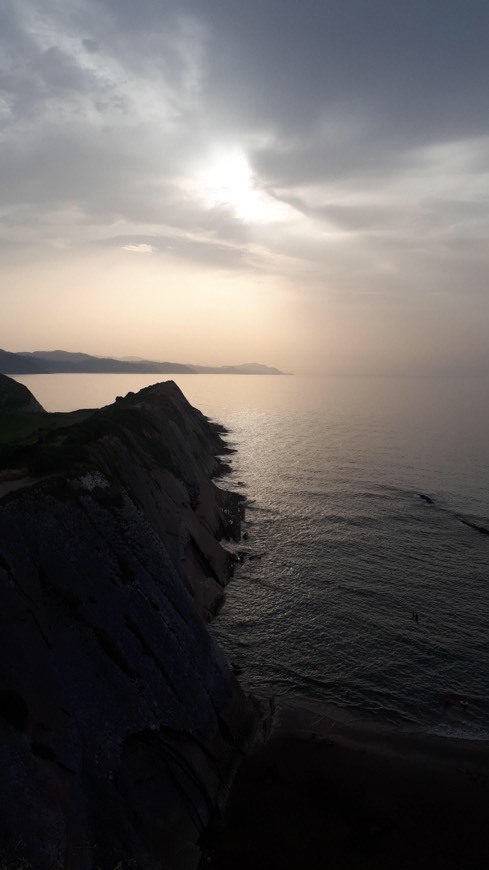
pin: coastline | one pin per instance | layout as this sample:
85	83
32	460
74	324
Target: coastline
321	793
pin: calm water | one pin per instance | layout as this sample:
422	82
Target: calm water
347	550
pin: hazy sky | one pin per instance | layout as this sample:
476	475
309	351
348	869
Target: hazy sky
301	184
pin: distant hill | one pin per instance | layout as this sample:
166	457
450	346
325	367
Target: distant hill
16	364
61	361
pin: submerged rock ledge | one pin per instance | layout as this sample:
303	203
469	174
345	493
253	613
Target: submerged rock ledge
121	723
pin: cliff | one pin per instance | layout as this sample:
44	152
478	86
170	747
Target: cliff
15	398
121	724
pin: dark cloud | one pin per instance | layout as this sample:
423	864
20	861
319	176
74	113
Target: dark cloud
420	68
59	72
90	44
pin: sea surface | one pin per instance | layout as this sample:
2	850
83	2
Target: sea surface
340	550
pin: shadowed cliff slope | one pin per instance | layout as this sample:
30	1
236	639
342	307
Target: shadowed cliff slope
15	397
121	724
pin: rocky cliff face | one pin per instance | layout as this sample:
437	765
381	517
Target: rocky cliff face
121	724
15	397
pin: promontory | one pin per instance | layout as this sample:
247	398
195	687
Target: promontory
121	723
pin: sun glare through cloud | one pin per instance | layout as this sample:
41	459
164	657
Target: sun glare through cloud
227	180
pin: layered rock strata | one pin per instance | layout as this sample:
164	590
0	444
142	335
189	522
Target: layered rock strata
121	723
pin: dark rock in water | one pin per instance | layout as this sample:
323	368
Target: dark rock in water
426	498
481	529
121	723
14	397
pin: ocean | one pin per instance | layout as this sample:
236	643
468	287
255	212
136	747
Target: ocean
340	550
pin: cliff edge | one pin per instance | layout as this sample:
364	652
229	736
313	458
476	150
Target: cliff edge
15	398
121	724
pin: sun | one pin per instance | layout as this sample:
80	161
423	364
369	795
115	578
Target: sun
227	180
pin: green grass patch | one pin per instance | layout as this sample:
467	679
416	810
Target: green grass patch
16	427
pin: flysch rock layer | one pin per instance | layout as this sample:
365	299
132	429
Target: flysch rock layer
121	723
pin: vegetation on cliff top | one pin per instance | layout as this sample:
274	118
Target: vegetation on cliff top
24	425
15	398
41	443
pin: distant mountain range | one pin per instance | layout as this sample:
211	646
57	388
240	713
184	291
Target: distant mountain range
61	361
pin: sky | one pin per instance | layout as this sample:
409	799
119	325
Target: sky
304	185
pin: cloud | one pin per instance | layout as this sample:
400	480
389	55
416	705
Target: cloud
361	126
193	248
142	248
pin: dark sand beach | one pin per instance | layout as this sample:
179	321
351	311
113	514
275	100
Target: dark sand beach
323	795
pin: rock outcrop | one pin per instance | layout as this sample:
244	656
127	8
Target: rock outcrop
121	723
15	397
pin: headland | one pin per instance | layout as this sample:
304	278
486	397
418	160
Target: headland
121	723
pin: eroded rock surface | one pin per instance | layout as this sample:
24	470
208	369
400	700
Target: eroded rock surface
121	724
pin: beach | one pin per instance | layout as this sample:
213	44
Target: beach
319	794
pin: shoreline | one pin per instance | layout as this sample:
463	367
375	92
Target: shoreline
320	793
302	716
